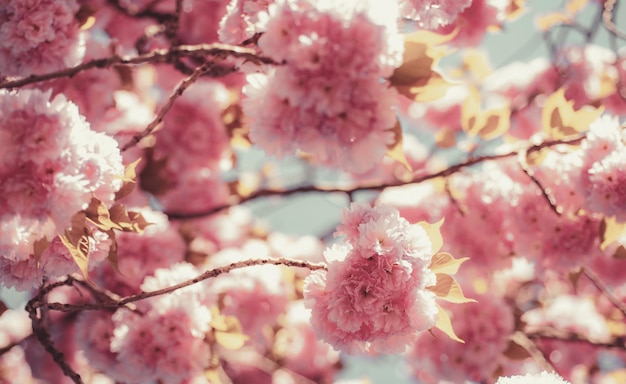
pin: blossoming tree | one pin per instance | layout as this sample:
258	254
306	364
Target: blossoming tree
481	236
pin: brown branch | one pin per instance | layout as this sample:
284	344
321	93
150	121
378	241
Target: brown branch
525	342
9	346
420	179
171	28
147	12
38	317
156	56
549	333
170	102
523	163
595	279
114	304
610	7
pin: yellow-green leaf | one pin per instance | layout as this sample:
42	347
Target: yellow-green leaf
127	221
492	123
444	262
98	214
425	89
39	247
488	124
574	277
213	376
515	351
445	138
445	325
434	233
395	150
415	78
129	180
230	340
76	240
446	288
113	256
610	231
560	120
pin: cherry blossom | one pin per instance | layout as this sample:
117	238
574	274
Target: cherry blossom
485	328
54	164
326	100
541	378
373	297
39	36
431	14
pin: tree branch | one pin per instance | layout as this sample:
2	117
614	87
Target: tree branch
591	275
525	342
549	333
114	304
420	179
170	102
156	56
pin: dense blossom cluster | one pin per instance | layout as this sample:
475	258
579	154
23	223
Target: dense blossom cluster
53	165
328	98
435	357
374	296
151	134
541	378
39	36
431	14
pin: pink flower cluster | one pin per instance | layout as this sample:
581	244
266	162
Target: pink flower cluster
256	295
193	145
52	166
540	378
328	98
484	326
373	299
431	14
38	36
165	340
604	161
241	19
303	352
140	255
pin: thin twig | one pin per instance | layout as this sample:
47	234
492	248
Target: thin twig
549	333
610	7
420	179
204	276
170	102
523	163
595	279
523	341
156	56
38	317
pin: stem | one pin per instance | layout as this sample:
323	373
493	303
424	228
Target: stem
123	302
420	179
156	56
